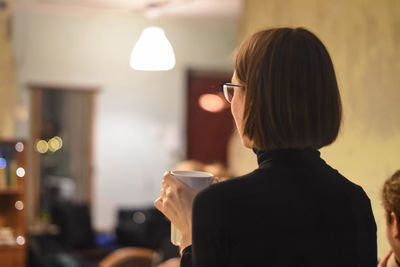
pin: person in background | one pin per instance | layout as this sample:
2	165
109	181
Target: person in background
216	168
190	165
219	171
391	204
294	210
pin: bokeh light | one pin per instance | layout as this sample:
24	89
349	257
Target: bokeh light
3	163
19	205
60	141
20	240
211	103
139	217
55	143
20	172
42	146
19	146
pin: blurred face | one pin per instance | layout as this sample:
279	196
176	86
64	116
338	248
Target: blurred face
237	109
392	234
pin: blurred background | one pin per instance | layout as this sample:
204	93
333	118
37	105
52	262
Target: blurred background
86	134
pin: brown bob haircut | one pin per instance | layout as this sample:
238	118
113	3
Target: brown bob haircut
391	196
292	98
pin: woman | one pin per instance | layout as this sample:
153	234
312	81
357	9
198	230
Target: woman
294	210
391	204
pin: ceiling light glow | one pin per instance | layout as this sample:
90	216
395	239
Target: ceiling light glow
153	51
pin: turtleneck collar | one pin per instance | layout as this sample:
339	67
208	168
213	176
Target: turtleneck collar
264	158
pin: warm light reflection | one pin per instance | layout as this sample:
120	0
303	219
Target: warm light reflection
19	146
20	240
19	205
20	172
211	103
42	146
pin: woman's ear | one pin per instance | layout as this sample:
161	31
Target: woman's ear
395	225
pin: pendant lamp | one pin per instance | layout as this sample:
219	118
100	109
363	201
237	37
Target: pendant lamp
153	51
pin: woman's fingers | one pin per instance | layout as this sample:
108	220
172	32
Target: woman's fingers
163	194
215	180
177	186
385	259
172	181
175	202
166	206
158	204
168	194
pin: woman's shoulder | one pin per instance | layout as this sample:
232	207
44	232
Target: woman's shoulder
217	200
234	189
235	182
333	176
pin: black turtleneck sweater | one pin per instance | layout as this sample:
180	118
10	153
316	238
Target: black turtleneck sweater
294	210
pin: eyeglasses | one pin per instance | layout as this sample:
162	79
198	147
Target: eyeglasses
228	89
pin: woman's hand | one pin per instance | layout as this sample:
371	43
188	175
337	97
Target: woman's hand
385	259
175	202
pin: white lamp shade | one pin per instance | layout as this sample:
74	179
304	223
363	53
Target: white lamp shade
153	51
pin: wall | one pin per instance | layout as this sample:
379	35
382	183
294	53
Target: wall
8	82
363	38
140	115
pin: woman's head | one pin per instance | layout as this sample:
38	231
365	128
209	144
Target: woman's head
391	196
391	204
290	94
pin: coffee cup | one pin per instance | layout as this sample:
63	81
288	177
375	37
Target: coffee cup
197	181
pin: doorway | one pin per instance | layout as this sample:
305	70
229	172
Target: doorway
62	137
209	120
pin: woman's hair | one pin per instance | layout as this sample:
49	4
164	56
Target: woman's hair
391	195
292	98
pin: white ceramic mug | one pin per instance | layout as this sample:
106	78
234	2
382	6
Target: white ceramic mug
195	180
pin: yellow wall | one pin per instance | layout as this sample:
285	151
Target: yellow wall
7	78
363	38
